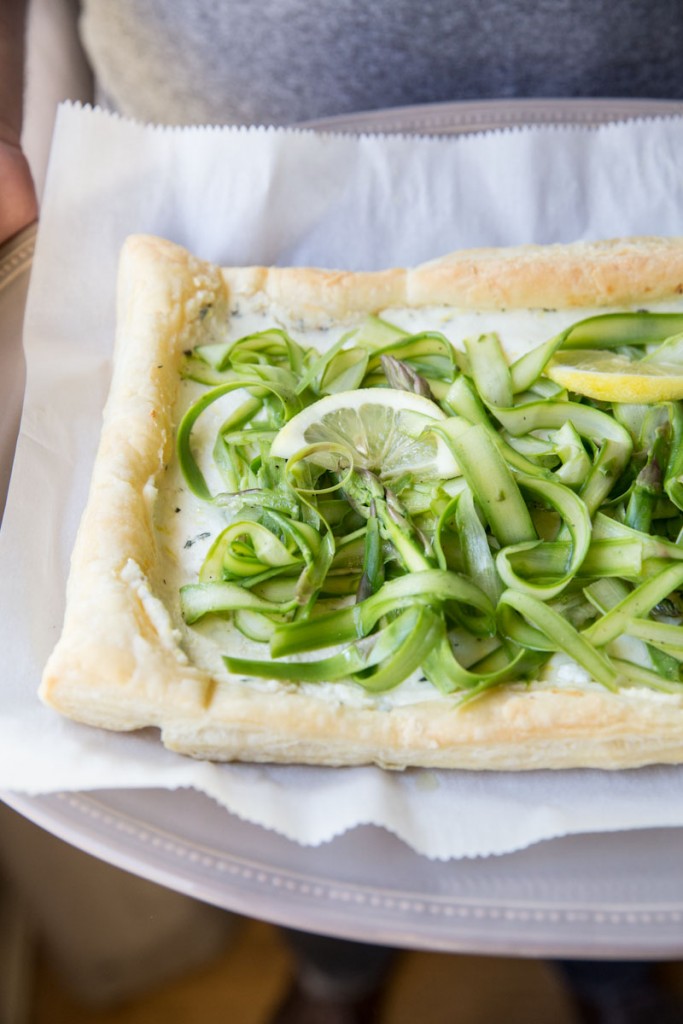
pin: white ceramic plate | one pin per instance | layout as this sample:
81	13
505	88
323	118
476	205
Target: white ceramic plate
615	895
612	895
489	115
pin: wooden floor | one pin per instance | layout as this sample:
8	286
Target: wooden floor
246	982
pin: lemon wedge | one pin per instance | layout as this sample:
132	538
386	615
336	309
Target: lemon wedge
383	429
610	377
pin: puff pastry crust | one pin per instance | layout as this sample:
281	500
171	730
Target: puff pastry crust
119	664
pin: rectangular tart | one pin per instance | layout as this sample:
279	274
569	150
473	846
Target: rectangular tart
128	659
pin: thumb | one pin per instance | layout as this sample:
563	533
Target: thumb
18	202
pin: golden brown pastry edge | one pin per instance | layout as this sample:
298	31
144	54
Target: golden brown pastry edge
118	665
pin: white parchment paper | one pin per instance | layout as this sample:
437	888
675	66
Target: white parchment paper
239	196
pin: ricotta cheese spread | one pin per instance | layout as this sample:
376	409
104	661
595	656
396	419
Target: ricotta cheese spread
187	526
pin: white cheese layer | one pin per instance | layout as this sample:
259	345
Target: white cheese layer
186	526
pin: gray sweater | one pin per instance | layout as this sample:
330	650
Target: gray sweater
283	61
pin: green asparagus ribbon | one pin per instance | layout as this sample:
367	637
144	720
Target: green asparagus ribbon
561	533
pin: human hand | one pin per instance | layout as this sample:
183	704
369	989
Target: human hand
18	202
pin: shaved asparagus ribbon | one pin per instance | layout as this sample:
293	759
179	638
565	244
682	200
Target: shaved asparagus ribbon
562	531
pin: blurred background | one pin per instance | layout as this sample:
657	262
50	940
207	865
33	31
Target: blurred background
85	943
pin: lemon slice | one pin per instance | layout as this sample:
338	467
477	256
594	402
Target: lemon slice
383	428
610	377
